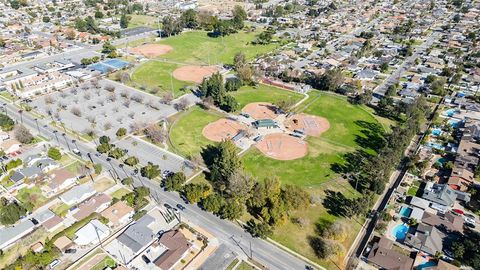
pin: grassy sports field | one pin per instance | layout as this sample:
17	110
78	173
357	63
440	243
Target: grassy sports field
157	74
142	20
348	123
265	93
196	47
186	131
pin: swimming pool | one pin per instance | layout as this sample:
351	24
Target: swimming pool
455	123
405	211
426	264
436	132
441	161
451	112
436	145
400	231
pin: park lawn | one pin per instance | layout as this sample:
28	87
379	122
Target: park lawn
264	93
31	197
157	74
142	20
186	136
296	237
196	47
347	124
245	266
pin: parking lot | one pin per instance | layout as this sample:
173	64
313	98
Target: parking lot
103	108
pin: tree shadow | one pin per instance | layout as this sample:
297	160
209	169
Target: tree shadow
353	162
208	154
335	202
373	136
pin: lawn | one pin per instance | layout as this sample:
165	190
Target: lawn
186	131
348	123
107	262
31	197
157	74
264	93
120	192
142	20
245	266
196	47
60	209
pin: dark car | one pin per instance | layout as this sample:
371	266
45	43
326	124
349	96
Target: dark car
168	206
181	207
70	251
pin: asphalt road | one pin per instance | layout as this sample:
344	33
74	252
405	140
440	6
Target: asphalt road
227	233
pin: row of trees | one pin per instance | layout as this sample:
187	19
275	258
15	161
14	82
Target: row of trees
214	91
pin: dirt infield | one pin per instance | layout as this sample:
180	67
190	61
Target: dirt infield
194	73
282	146
312	125
260	110
151	50
222	129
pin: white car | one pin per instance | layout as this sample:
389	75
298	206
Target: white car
469	220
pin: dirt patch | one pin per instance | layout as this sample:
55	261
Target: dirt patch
194	73
310	124
282	146
151	50
260	110
222	129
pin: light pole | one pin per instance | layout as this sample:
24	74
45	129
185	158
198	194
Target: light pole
38	128
123	169
68	145
75	143
55	133
111	165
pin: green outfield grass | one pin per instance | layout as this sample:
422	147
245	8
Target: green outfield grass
347	124
264	93
157	74
196	47
186	132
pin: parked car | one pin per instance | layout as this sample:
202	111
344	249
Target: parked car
70	251
181	207
53	264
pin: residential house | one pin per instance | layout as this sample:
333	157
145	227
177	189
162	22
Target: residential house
426	238
91	233
11	146
77	194
10	234
96	203
118	214
137	237
448	222
53	223
177	248
443	194
60	180
384	256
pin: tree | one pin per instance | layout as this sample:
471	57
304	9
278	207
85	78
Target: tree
54	153
98	14
131	161
104	139
104	148
121	132
6	123
325	248
336	231
225	163
233	84
124	21
46	19
259	229
190	18
239	60
384	67
232	210
128	181
23	135
331	80
239	15
213	203
150	171
155	133
108	48
239	185
196	192
10	212
3	43
174	182
245	74
171	26
116	153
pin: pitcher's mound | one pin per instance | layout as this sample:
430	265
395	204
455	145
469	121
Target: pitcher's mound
151	50
260	110
310	124
282	146
194	73
222	129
